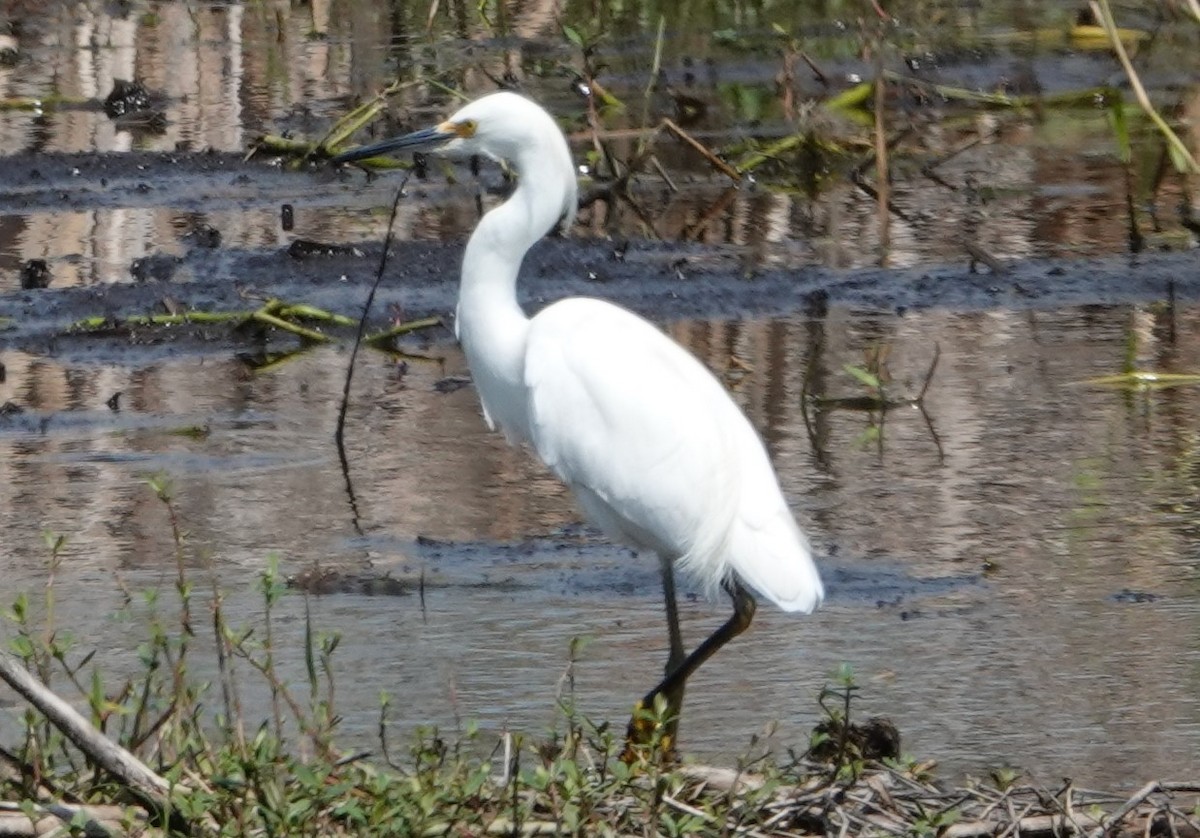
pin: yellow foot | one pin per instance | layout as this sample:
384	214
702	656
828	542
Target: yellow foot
650	736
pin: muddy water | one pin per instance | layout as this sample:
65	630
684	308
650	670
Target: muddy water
1013	580
1012	574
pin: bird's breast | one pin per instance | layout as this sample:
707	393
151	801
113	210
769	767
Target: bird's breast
495	357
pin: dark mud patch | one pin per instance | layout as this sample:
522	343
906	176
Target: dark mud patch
579	563
323	581
663	281
203	180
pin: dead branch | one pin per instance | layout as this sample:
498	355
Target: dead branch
701	149
98	748
101	821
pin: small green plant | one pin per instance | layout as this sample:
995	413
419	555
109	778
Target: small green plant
227	773
1004	778
830	741
929	824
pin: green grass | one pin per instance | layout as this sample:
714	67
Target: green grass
281	773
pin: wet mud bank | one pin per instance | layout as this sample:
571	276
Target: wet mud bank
663	281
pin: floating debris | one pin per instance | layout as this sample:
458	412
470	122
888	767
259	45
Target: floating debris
35	273
1145	380
204	235
125	98
158	267
307	249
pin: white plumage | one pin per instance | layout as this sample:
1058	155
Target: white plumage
657	453
654	449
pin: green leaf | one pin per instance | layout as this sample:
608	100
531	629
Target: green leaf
22	647
1120	126
869	436
573	35
54	541
852	98
864	377
844	674
20	608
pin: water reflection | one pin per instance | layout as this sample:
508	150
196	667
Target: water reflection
1045	501
1012	183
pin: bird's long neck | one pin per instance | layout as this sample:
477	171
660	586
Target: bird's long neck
493	258
492	327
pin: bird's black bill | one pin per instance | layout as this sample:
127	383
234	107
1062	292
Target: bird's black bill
423	140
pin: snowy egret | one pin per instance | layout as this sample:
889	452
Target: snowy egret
654	449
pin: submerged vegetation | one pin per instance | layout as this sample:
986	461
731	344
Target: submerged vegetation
283	317
169	753
871	98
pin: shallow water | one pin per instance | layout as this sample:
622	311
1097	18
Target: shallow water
984	568
1012	575
1018	183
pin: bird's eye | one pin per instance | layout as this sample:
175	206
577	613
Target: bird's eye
466	128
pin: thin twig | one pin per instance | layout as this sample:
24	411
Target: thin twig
1139	797
703	151
937	354
655	68
339	435
882	170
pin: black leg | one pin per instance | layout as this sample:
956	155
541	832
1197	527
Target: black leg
677	653
675	656
671	687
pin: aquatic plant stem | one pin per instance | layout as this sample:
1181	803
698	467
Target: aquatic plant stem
345	127
881	158
339	435
655	68
714	161
377	340
279	323
1179	152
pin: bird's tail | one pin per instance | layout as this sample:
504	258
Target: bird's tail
772	555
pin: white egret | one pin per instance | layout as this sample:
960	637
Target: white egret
656	452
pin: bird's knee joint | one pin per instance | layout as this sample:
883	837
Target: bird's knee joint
744	607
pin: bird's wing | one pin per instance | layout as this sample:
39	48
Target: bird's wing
636	426
658	453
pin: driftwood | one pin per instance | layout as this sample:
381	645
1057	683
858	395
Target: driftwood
56	818
97	747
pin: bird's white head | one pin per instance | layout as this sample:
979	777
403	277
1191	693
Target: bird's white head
504	126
